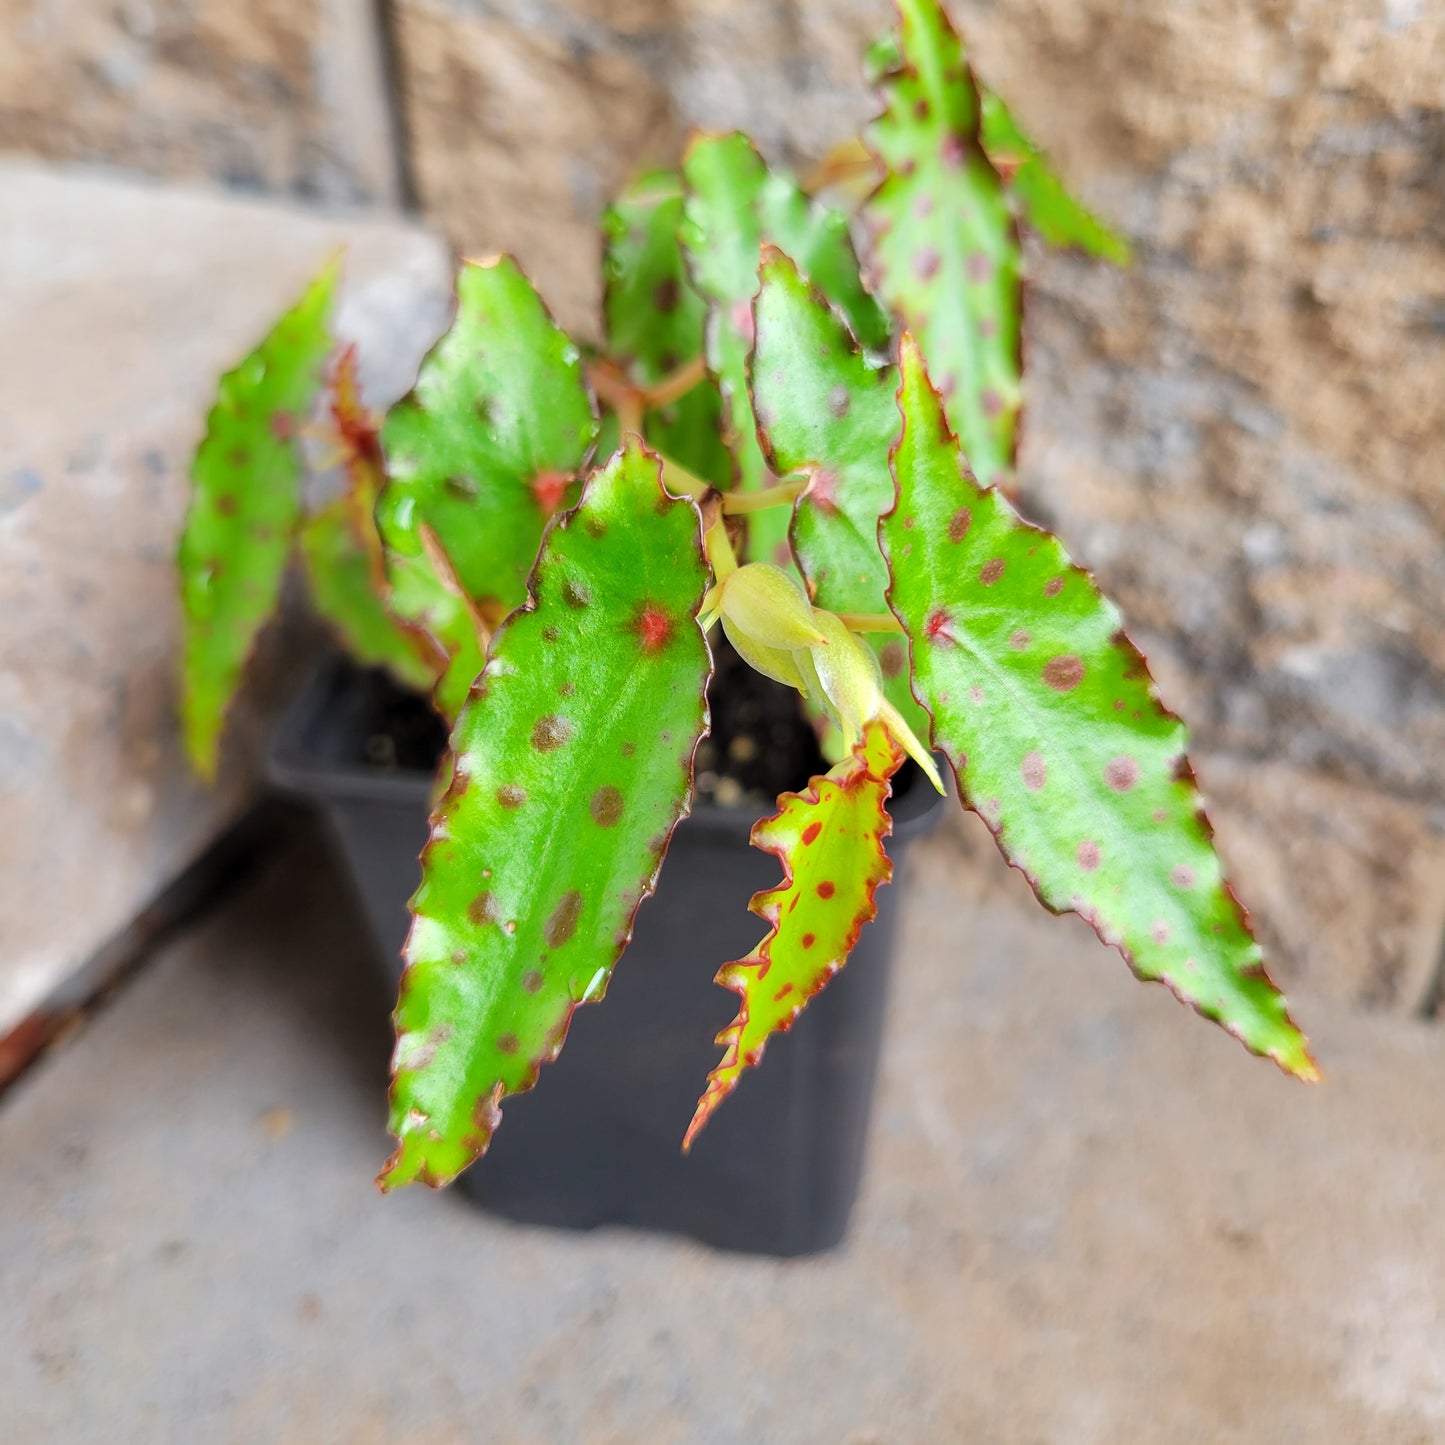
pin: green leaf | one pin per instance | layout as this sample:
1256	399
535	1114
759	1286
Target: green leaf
945	251
828	412
734	203
1052	724
342	550
1046	205
245	502
573	764
655	319
830	843
478	457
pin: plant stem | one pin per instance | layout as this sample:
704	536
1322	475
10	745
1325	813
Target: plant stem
735	504
675	385
720	550
681	482
870	622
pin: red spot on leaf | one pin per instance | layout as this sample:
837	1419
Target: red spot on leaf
1064	673
654	628
810	833
782	993
549	488
936	629
808	940
283	426
826	889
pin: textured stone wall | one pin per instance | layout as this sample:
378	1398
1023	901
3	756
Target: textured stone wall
1244	434
273	95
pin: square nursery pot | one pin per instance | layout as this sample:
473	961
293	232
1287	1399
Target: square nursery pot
598	1141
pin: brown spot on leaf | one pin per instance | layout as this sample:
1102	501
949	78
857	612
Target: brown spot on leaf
550	634
1020	639
563	922
1121	773
890	659
1064	673
463	487
1034	770
991	402
596	527
509	795
1053	586
991	571
575	594
959	523
839	401
226	504
550	733
507	1044
483	909
1088	855
532	980
666	294
606	806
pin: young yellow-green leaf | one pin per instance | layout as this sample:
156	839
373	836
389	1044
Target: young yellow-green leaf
734	203
342	550
826	411
944	244
344	591
1056	215
830	843
573	763
478	457
655	318
244	507
1058	739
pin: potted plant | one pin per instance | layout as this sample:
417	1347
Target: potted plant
809	457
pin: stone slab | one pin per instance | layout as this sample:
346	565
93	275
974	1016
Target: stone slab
120	303
1089	1217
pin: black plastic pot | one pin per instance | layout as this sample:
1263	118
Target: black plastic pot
597	1142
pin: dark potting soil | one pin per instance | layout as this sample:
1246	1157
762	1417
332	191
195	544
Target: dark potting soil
760	745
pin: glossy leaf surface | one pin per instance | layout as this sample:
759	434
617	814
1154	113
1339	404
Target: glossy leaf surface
655	319
342	550
829	840
734	203
478	457
1042	198
1057	736
828	412
245	502
944	245
573	763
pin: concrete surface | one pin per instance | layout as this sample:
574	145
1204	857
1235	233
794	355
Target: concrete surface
1089	1218
120	303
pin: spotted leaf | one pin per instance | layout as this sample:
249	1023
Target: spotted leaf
573	763
1045	203
655	318
1057	736
342	550
478	457
829	840
944	250
827	411
245	503
734	203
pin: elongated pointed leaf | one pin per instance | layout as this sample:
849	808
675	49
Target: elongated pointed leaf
573	764
245	501
830	843
827	411
1046	205
342	550
1058	739
478	457
655	319
944	246
734	203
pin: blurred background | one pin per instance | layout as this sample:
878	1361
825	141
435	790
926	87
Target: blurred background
1243	434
